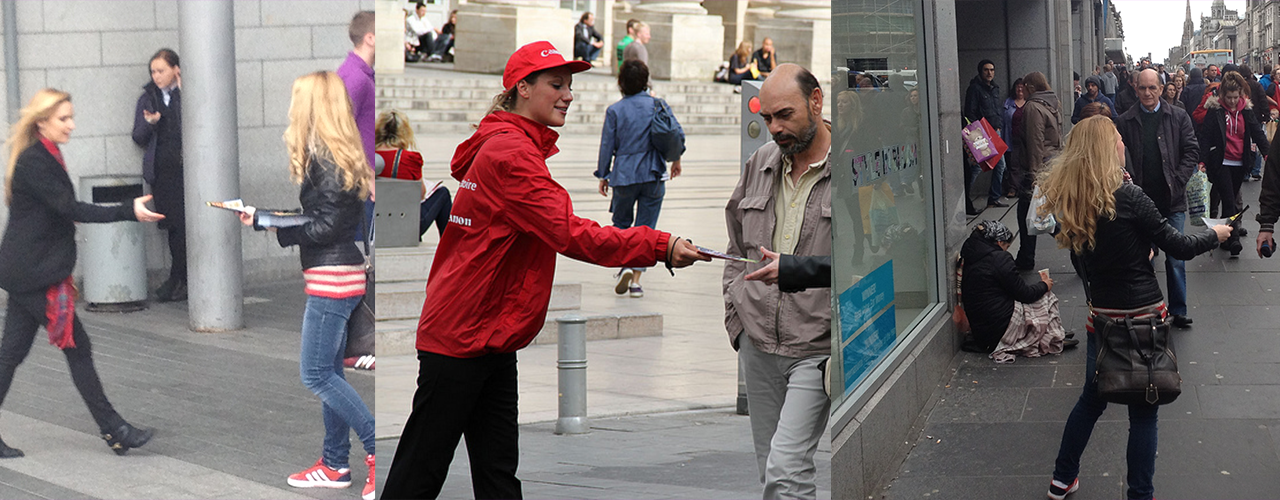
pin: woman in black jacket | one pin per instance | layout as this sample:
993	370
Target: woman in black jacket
38	253
1110	227
1230	130
327	159
157	126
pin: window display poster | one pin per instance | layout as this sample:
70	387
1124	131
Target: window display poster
867	323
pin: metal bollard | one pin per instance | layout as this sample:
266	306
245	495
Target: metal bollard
572	368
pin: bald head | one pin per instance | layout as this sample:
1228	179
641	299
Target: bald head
791	105
1148	88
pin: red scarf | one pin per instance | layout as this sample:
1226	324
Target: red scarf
60	310
53	150
60	299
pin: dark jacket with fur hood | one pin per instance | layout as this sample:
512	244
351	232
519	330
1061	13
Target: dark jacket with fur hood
1213	134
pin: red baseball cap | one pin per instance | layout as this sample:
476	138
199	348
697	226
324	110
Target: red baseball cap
536	56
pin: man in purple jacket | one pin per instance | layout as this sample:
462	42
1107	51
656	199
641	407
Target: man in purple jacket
357	73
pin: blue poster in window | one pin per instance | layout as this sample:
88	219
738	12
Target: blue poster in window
866	298
868	324
867	348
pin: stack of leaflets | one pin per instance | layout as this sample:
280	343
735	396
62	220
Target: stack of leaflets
264	217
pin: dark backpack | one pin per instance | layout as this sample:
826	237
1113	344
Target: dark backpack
664	132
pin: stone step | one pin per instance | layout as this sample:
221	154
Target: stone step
398	337
463	128
474	94
459	105
393	86
404	264
421	117
403	300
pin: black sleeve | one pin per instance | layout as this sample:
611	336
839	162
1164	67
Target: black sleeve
795	274
49	184
1269	199
325	213
1011	283
1150	223
1255	131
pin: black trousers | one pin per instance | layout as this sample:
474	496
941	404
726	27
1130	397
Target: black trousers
178	251
456	397
25	315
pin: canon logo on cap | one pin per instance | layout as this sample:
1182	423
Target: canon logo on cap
548	52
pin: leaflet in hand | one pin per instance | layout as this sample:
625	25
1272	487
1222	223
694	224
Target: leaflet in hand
264	217
721	255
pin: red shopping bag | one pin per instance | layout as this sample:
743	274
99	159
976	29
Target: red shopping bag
984	144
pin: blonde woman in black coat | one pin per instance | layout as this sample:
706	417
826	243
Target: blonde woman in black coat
38	253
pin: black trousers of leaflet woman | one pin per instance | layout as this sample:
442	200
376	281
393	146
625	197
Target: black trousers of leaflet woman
24	315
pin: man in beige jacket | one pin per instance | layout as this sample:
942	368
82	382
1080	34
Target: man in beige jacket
783	203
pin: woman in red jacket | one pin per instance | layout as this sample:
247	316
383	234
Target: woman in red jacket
491	281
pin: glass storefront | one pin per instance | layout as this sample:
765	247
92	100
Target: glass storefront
885	264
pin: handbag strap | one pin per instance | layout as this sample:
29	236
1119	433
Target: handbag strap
395	164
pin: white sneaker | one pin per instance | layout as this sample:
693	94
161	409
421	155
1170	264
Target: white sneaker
624	282
636	291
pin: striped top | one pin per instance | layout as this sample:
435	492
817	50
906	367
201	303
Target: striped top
335	282
1158	311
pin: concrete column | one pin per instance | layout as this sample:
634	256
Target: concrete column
210	149
801	33
489	31
734	15
13	96
604	24
681	33
389	26
757	10
671	6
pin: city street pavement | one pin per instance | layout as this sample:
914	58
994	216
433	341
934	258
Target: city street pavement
995	429
673	431
232	418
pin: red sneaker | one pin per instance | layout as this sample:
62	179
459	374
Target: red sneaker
368	494
321	476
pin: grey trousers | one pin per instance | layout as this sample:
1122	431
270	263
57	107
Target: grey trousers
789	413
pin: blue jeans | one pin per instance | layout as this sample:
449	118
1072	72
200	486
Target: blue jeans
638	204
1140	456
1176	271
324	341
997	183
1257	164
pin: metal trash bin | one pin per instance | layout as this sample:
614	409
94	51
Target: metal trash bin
113	254
396	213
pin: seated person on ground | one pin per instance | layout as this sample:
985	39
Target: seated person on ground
991	285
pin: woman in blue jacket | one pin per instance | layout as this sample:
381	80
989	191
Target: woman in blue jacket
638	169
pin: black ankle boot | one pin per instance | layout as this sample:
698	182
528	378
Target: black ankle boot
127	436
179	290
9	452
165	292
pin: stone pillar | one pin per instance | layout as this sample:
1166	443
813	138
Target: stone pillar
681	33
756	11
734	15
389	26
604	24
489	31
801	33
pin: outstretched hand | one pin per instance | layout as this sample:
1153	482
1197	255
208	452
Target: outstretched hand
682	253
246	217
769	273
142	213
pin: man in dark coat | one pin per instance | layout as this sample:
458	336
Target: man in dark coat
983	100
1161	143
1193	92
